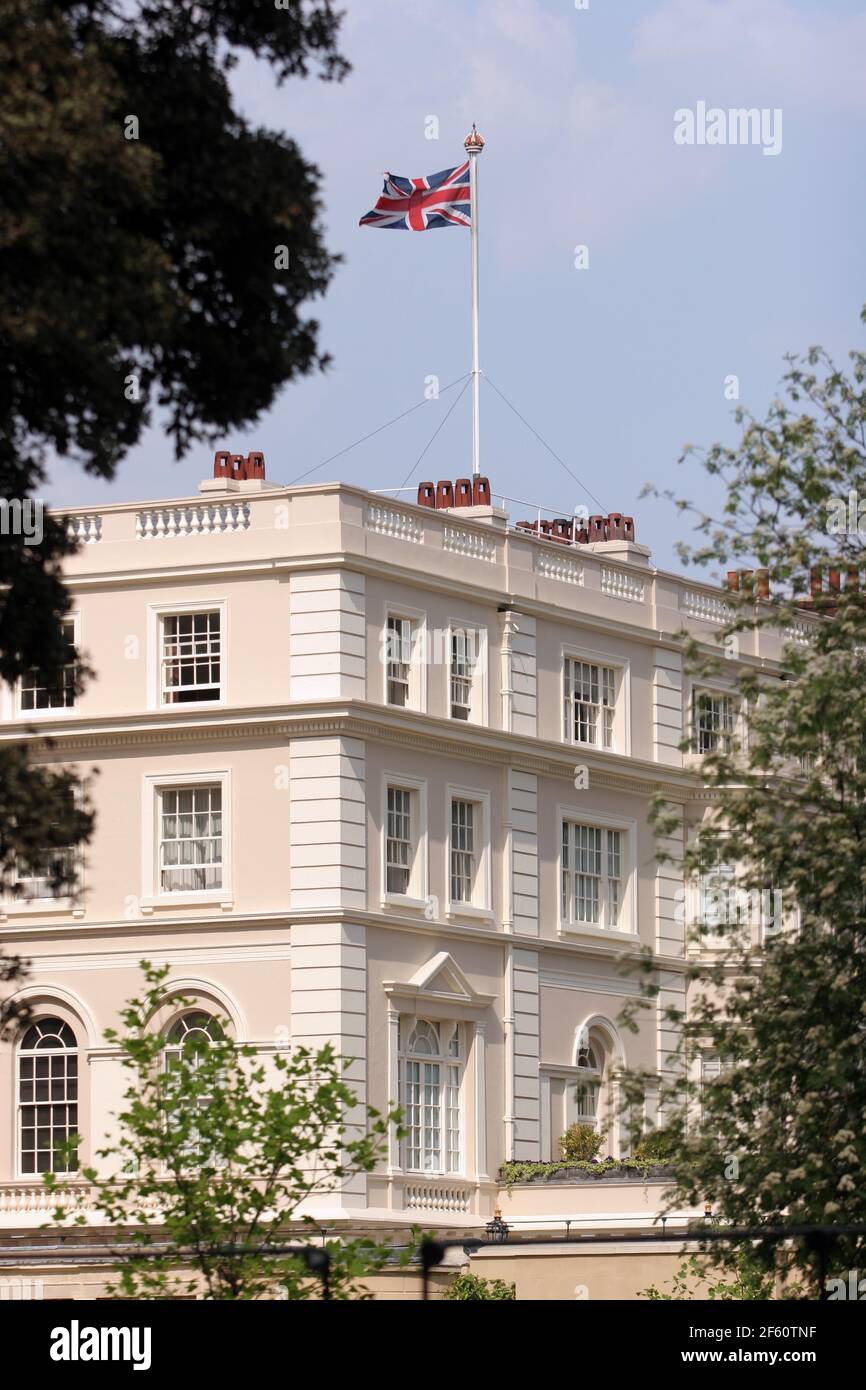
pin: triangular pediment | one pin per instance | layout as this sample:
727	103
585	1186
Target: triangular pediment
439	979
442	975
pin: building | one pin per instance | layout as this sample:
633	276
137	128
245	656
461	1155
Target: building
376	772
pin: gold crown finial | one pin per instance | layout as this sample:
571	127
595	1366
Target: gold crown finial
474	141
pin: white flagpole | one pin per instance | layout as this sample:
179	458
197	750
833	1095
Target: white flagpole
473	145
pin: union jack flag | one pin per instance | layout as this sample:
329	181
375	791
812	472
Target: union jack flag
416	205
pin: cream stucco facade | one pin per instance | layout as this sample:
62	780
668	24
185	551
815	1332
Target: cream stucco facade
452	856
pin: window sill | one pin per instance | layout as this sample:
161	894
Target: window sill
25	715
404	900
590	747
454	911
41	907
577	929
169	900
178	706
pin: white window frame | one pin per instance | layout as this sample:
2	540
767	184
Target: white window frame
478	691
592	1077
417	619
715	692
724	871
49	902
79	1053
621	668
444	1061
61	711
156	612
418	874
481	904
581	815
153	785
69	902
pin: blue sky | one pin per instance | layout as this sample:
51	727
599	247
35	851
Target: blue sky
703	261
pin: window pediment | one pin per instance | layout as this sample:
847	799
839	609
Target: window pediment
440	981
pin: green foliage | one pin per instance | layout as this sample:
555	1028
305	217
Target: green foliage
783	1133
149	260
580	1143
749	1283
473	1286
655	1147
214	1153
511	1173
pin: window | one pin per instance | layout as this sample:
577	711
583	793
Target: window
464	860
190	839
465	673
38	693
718	904
588	1087
430	1073
468	835
398	848
192	1034
47	1097
590	703
592	875
190	662
714	722
711	1070
399	660
189	1037
50	874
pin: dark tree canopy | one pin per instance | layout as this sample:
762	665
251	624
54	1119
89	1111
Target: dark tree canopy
164	272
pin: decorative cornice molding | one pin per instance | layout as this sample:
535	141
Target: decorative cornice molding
249	923
363	719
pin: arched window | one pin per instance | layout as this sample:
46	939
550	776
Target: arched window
430	1072
187	1041
47	1096
190	1036
588	1087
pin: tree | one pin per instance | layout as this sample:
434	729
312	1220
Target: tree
750	1283
214	1154
779	1137
156	252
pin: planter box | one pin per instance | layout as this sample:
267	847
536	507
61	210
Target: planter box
655	1172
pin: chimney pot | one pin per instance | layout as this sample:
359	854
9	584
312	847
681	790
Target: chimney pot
481	492
463	492
426	494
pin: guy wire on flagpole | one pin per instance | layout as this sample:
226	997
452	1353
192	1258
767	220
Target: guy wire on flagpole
473	145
